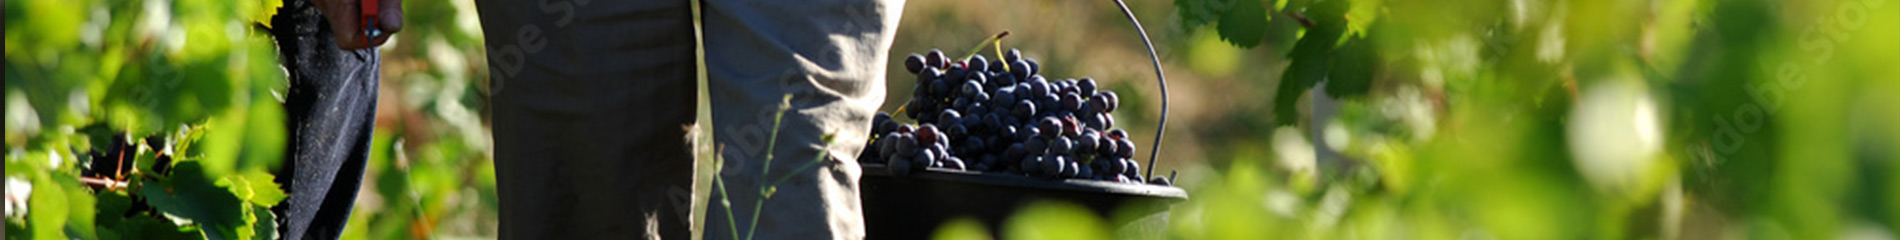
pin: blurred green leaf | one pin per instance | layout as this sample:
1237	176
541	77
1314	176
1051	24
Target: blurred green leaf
1055	220
1352	69
48	207
962	229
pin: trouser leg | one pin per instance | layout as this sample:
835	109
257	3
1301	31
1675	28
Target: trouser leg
331	111
829	56
592	102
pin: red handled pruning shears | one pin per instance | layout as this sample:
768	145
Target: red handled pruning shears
370	29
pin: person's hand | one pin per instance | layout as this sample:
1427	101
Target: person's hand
347	19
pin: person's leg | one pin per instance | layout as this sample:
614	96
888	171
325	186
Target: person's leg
591	103
829	56
331	111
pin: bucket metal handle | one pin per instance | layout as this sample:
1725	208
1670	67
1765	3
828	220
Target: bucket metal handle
1161	126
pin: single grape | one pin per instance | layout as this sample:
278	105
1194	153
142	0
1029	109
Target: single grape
1071	102
905	129
1050	126
1020	70
900	166
1024	109
1061	145
881	123
928	133
1039	86
914	63
1098	103
1053	164
1076	170
1131	168
1025	91
923	159
977	63
1002	78
1088	142
1106	147
887	145
907	144
1034	68
1125	148
970	88
1005	96
935	58
1065	86
1091	121
949	117
1086	86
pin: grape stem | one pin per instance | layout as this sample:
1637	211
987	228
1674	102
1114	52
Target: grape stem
993	41
1161	127
107	183
1304	22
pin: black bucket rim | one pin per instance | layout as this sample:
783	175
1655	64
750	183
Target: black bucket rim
1018	181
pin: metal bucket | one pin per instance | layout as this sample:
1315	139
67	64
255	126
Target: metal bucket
913	207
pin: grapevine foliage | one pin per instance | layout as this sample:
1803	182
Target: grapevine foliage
1331	47
141	120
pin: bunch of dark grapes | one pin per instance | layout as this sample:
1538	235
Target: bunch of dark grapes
1002	116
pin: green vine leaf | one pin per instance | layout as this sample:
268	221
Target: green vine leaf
190	195
1312	58
255	186
1242	23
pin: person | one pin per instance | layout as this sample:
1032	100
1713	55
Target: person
593	112
330	109
593	105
